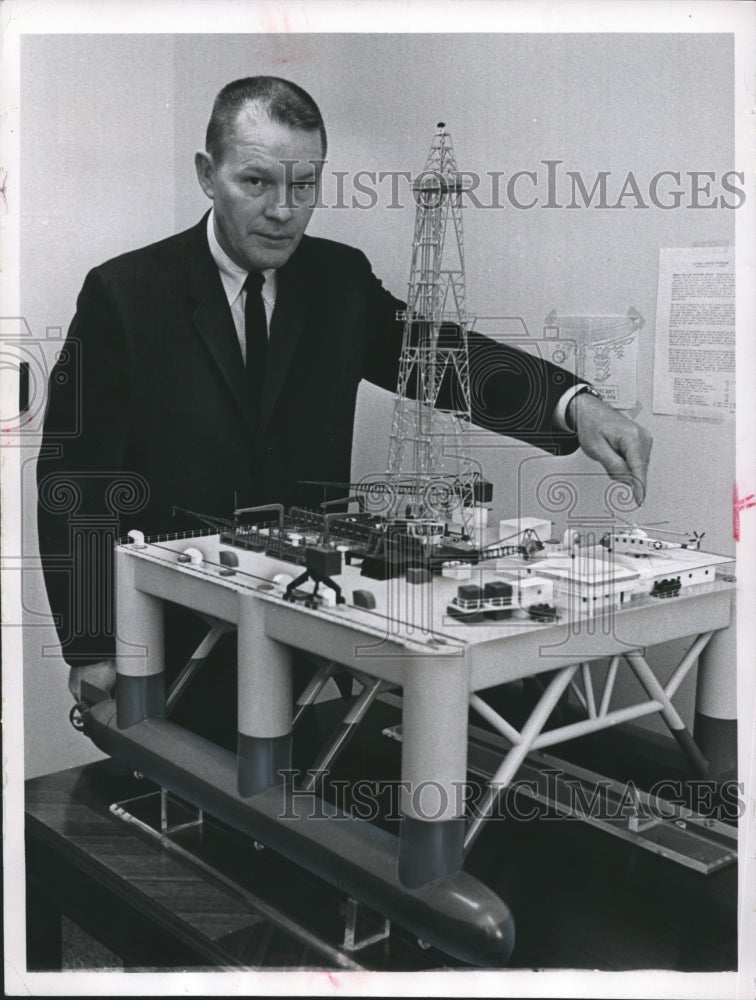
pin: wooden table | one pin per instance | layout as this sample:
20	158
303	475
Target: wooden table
154	907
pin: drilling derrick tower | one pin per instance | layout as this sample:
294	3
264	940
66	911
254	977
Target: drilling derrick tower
432	477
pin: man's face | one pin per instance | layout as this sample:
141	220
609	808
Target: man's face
263	189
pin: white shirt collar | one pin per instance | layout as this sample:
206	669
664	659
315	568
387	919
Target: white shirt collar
233	276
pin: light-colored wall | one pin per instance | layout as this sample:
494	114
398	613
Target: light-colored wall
110	127
97	179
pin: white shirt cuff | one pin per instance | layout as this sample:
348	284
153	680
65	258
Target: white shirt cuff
560	411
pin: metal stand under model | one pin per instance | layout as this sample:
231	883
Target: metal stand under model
161	817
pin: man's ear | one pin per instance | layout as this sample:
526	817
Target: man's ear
205	168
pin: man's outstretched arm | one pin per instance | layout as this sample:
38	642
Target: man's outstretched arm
609	437
518	394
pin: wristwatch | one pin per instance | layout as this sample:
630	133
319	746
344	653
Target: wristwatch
589	389
579	390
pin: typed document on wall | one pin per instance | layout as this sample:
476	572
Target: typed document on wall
694	358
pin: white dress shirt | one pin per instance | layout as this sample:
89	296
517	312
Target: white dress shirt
233	278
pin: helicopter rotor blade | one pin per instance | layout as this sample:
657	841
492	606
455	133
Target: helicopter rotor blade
648	524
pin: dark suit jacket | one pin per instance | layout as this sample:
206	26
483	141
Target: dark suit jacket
157	391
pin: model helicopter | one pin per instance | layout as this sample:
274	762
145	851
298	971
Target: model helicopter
636	541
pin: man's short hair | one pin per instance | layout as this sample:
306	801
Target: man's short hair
283	101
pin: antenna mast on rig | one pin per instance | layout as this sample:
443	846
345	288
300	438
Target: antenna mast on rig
429	466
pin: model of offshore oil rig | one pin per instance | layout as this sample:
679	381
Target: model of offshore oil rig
393	582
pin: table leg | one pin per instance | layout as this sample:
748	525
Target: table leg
44	951
434	769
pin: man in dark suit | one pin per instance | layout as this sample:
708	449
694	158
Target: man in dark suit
179	401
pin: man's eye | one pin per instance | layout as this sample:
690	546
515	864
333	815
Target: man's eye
254	182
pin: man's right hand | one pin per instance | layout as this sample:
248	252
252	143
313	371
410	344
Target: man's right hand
101	675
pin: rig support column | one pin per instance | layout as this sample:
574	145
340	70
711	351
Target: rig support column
265	701
140	663
715	724
434	769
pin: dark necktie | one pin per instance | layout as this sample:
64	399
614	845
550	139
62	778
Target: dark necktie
255	335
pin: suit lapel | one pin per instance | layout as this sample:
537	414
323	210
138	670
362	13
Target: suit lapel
212	318
296	288
296	294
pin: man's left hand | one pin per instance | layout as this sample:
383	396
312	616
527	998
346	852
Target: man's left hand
618	443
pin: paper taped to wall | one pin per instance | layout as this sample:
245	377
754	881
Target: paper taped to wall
694	356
